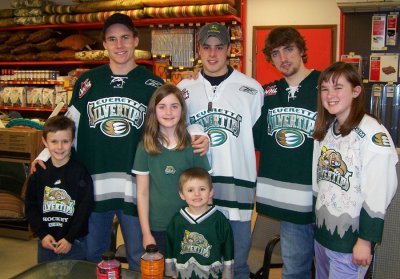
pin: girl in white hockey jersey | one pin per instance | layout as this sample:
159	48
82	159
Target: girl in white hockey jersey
354	176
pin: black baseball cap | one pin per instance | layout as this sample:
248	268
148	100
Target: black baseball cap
120	19
214	30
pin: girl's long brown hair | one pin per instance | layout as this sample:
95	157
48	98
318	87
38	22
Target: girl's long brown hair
152	135
357	111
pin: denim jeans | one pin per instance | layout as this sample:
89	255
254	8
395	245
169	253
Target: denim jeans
335	265
98	239
77	252
297	246
242	242
161	240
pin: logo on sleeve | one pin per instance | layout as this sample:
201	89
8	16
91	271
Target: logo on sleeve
270	90
153	83
381	139
248	90
85	86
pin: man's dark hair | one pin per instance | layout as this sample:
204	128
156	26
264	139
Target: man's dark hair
284	36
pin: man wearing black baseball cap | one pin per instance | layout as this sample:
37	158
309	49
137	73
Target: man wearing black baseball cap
108	106
227	103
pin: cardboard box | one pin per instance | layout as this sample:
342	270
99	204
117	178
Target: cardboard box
20	144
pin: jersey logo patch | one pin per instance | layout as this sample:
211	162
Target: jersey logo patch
381	139
217	137
289	138
185	94
195	243
249	90
116	116
85	86
115	127
153	83
332	168
118	82
270	90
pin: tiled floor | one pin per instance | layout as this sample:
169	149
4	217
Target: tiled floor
18	255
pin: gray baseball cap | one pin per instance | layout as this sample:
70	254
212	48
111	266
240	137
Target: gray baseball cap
214	30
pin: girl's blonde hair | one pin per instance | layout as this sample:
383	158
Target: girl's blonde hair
357	111
152	136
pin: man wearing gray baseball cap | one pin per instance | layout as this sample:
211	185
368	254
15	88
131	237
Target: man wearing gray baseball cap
227	104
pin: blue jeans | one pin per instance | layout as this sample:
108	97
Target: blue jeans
242	242
161	240
335	265
77	252
297	246
98	239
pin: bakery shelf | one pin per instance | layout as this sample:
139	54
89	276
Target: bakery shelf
66	62
30	109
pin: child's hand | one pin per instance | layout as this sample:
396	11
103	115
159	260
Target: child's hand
362	252
48	242
63	246
148	239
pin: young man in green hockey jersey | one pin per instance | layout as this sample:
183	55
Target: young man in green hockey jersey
199	236
283	135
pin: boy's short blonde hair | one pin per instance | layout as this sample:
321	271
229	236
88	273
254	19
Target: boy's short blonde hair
195	173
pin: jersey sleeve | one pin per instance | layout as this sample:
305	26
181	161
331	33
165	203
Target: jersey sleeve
33	208
140	165
315	187
378	184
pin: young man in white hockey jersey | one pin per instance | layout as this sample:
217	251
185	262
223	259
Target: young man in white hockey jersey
227	104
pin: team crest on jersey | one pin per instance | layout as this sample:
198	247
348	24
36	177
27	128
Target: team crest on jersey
85	86
116	115
153	82
381	139
218	123
57	200
291	125
332	168
289	138
115	127
195	243
270	90
118	82
248	90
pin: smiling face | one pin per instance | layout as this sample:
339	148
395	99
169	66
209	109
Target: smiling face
287	59
337	97
213	56
197	194
120	43
168	113
59	144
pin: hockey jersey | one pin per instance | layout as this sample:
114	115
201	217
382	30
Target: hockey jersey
283	135
199	248
109	112
354	180
236	106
